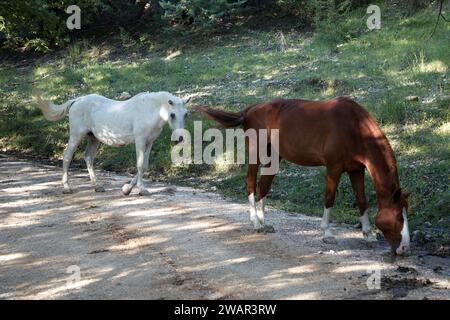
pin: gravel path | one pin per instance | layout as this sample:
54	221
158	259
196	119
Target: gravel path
181	243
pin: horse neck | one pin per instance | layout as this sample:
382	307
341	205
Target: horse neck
163	115
382	167
154	101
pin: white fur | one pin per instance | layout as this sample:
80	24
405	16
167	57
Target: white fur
253	216
260	211
365	223
366	227
325	224
404	244
137	120
52	111
325	219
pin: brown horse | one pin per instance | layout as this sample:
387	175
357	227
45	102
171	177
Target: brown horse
340	135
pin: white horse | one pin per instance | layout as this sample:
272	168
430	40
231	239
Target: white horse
138	120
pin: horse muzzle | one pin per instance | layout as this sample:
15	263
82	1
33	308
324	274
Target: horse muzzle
399	248
402	249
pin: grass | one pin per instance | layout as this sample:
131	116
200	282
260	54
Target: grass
379	69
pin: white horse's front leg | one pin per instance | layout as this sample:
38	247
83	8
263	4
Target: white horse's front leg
127	188
140	164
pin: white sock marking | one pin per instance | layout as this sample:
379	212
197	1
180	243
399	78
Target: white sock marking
404	244
253	217
325	224
364	219
260	211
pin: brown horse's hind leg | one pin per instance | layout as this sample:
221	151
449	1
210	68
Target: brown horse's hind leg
332	182
250	182
264	187
357	181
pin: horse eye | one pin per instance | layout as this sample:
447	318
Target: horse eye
172	116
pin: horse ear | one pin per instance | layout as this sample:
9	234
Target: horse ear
170	102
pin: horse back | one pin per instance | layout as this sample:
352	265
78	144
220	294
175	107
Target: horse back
316	132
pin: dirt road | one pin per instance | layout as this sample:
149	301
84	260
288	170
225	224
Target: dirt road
180	242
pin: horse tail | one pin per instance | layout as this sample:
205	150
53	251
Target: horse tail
51	111
226	119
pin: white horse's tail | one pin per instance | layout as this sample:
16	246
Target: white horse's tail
51	111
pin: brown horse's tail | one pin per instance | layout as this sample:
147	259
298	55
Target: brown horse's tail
226	119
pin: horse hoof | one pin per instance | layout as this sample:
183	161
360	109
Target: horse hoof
371	240
99	189
126	189
67	191
266	229
143	192
329	240
357	225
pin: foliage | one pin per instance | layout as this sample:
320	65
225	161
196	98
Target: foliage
200	14
41	24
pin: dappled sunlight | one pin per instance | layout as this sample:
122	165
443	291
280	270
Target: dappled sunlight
57	288
176	242
214	265
443	130
132	246
295	270
40	71
173	55
359	268
432	66
132	201
284	282
6	258
14	221
38	187
305	296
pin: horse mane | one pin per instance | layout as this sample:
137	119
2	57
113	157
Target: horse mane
380	152
160	96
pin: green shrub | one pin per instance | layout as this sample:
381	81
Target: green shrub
200	14
41	24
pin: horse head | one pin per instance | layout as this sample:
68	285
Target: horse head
176	116
392	220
